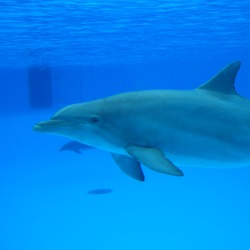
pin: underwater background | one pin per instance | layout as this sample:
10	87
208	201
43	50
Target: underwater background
55	53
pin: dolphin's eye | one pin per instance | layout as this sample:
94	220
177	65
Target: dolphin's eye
94	119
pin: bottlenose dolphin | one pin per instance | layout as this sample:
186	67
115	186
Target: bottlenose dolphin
205	127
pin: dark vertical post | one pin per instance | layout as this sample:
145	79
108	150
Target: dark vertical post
40	87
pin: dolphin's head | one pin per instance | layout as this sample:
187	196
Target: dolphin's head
83	122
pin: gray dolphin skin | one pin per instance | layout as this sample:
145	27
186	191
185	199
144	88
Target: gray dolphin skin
205	127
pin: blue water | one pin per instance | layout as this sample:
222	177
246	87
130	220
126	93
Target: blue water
96	32
95	49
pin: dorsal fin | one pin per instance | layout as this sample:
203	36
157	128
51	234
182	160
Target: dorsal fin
223	81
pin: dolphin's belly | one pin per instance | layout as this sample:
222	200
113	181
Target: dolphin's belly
196	147
206	152
200	150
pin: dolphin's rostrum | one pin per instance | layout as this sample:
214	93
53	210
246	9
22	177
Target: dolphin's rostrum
162	129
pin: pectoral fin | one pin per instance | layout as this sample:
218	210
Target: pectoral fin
129	166
154	158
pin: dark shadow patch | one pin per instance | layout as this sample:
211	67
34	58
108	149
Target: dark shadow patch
100	191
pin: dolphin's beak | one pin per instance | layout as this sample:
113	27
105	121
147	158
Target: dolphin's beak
51	125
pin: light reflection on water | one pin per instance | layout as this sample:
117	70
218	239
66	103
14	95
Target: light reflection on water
96	32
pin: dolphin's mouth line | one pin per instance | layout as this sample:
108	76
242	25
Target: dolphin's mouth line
54	123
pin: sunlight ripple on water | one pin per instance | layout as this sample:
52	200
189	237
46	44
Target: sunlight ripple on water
93	32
